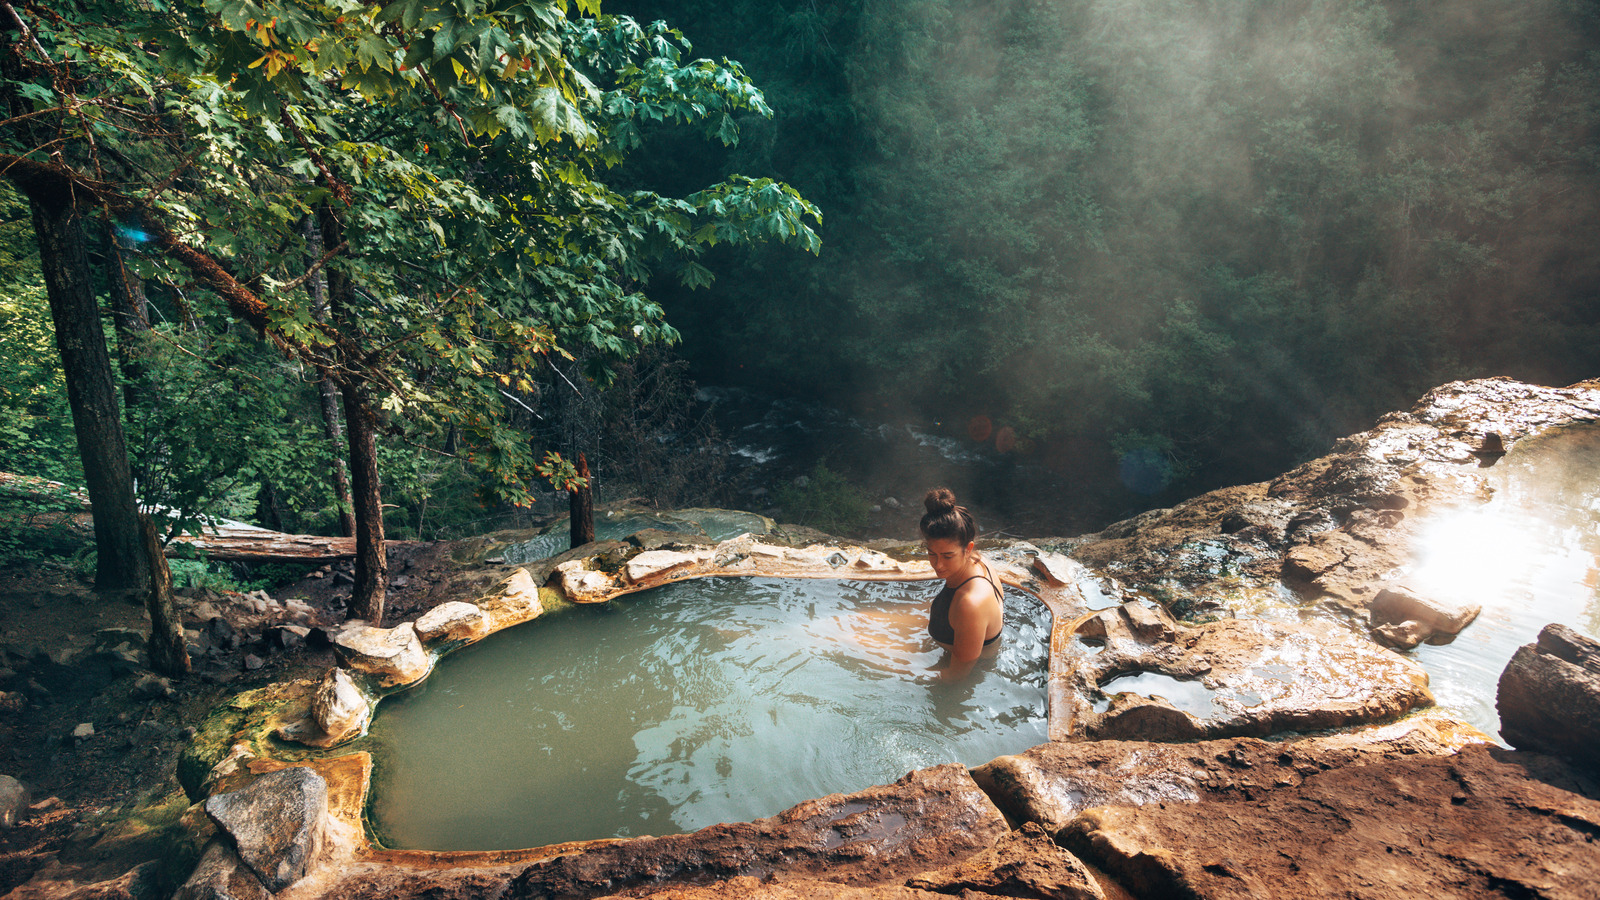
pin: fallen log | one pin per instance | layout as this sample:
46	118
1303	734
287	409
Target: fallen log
238	542
223	539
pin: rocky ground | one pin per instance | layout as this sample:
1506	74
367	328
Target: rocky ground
1419	807
69	658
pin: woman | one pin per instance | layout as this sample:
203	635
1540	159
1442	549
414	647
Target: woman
967	615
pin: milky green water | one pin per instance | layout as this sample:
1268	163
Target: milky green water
714	700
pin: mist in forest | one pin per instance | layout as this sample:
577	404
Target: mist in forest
1220	234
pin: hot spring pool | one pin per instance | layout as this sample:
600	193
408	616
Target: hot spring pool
705	701
1530	556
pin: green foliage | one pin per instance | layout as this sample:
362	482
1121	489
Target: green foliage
826	501
452	154
35	422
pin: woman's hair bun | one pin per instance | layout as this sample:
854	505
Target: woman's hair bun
939	500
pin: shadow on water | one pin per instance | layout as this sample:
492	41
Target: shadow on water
715	700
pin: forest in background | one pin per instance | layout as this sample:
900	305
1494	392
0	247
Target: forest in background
1222	232
1215	235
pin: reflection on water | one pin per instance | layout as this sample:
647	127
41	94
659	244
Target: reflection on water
1191	696
1530	556
716	700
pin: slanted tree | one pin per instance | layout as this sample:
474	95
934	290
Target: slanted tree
452	153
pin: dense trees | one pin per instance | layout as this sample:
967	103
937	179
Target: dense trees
449	157
1215	234
1231	232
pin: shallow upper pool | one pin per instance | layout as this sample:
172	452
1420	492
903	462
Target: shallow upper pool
1531	556
715	700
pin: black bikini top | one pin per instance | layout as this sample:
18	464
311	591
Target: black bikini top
939	627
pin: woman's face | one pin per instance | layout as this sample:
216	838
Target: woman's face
947	555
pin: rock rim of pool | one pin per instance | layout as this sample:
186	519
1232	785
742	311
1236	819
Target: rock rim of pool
1330	536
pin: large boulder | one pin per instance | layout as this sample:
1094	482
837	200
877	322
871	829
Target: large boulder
278	823
1549	696
392	656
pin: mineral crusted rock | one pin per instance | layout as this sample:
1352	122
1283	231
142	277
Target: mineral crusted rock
651	563
1352	516
581	584
393	656
1150	622
879	835
1549	696
1052	783
13	801
1023	863
1472	825
339	708
1260	678
456	620
221	875
1057	569
1403	618
278	823
514	601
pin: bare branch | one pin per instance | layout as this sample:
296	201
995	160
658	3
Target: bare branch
28	34
315	267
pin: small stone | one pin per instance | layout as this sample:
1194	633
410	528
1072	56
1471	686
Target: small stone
891	502
318	574
288	637
342	577
47	805
1149	623
222	633
83	732
13	801
253	662
151	687
583	585
221	875
1410	613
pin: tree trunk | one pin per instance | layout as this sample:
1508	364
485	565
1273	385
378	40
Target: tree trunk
91	391
129	313
269	511
366	596
329	392
580	507
168	655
